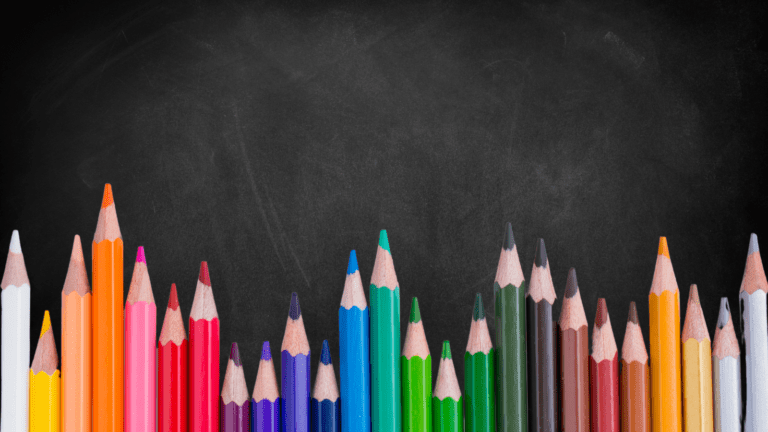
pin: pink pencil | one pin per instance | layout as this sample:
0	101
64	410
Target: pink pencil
140	334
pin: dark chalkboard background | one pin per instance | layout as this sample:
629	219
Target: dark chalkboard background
270	139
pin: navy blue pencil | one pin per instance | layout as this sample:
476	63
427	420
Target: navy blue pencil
295	371
326	404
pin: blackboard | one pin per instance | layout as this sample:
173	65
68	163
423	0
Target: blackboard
272	138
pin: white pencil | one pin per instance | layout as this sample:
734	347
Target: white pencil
15	341
754	332
726	373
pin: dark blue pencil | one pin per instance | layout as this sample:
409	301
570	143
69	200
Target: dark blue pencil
295	371
326	405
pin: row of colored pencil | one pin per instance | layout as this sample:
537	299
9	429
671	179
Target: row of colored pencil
539	377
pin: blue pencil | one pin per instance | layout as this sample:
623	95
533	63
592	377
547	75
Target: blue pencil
326	405
266	402
295	371
354	353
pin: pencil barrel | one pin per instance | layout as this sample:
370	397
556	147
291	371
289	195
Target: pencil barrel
666	403
44	402
605	394
635	397
479	396
385	359
172	387
355	369
203	373
140	333
76	378
697	386
755	334
234	417
726	382
325	415
542	372
266	416
511	379
447	415
417	393
295	384
574	380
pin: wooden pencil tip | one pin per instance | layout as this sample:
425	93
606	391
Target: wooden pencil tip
446	350
572	286
77	250
415	312
693	295
478	312
384	241
108	198
725	313
266	351
234	354
663	248
46	323
540	258
352	266
325	354
295	310
140	258
173	299
509	238
204	277
633	314
15	245
753	246
601	317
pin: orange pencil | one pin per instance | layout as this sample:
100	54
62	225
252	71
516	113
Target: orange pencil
76	345
107	314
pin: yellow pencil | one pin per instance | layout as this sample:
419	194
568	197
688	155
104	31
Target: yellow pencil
697	368
45	383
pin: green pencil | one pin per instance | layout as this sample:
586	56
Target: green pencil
416	364
511	384
385	342
478	374
447	408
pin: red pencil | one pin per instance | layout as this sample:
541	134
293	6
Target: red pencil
203	358
172	370
604	372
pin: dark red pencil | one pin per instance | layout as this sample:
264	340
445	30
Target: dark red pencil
604	373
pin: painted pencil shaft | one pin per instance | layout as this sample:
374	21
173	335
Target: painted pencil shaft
172	387
295	385
754	321
574	379
635	397
45	383
726	380
234	417
605	394
15	341
266	415
447	415
417	393
326	415
542	381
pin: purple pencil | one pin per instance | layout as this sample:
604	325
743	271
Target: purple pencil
266	402
235	409
295	371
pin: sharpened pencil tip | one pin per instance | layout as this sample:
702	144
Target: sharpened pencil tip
725	313
446	350
352	266
325	354
572	286
46	323
753	246
15	246
384	241
204	277
478	312
140	258
415	312
173	299
663	248
693	294
541	254
108	199
509	238
266	351
234	354
601	317
295	310
633	313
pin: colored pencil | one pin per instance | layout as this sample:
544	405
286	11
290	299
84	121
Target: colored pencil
295	371
45	383
542	352
266	412
15	341
574	360
447	405
664	302
76	337
754	333
416	367
354	348
203	369
235	407
726	373
107	319
604	370
697	368
173	355
385	341
635	378
140	334
326	405
509	294
479	377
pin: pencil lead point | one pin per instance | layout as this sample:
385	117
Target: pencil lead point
753	246
509	238
173	299
234	354
693	294
266	351
415	312
108	199
725	313
325	354
15	246
663	248
633	313
446	350
295	310
478	312
352	266
601	317
140	258
46	323
204	277
541	254
384	241
572	286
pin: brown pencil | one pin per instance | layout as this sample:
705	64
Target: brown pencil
574	360
635	379
542	378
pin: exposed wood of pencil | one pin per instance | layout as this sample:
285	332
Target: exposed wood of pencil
574	360
697	368
46	357
266	380
635	378
726	373
234	388
173	323
665	364
203	304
